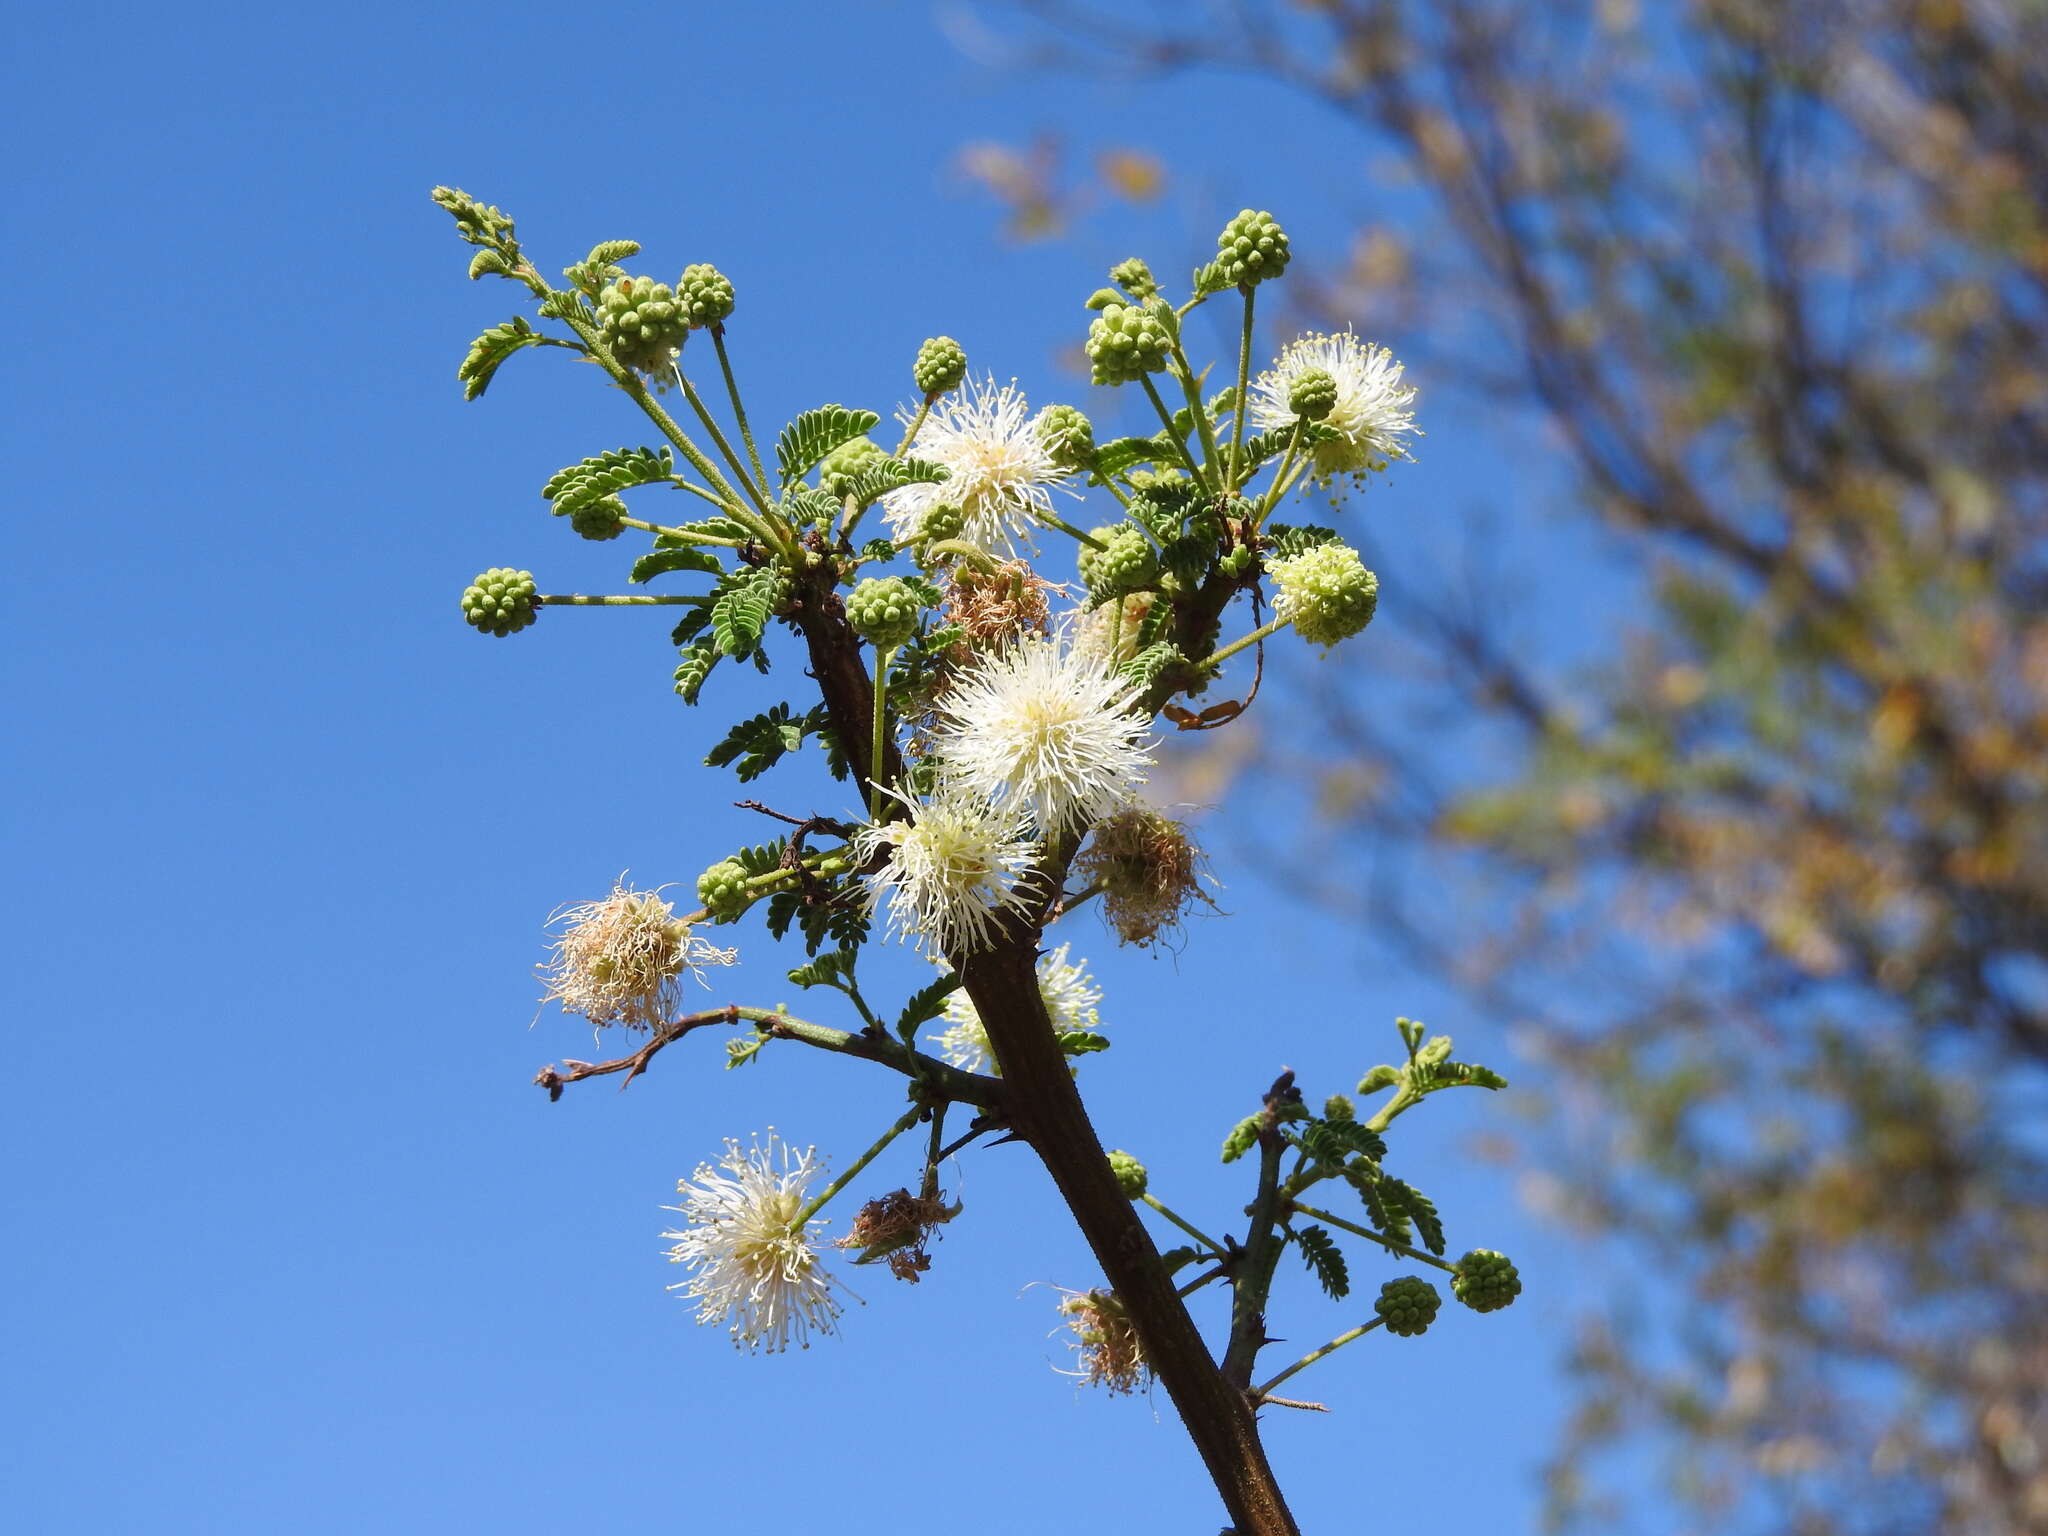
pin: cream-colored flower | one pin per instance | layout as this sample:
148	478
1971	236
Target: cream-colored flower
1000	472
953	870
1046	727
756	1270
1372	415
1071	996
619	960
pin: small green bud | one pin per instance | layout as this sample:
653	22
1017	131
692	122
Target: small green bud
1408	1305
1067	435
1486	1281
500	601
1130	1174
941	365
1135	278
1126	563
1251	248
883	611
723	890
1243	1137
642	323
1102	298
1125	343
1337	1107
1313	396
705	294
942	520
1327	592
599	519
1379	1077
836	474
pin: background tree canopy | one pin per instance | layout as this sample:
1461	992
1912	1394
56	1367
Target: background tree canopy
1776	279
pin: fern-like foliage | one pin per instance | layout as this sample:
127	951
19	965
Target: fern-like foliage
1081	1042
659	562
1242	1138
762	858
491	349
1325	1261
742	608
1420	1209
877	480
832	969
1124	453
1384	1212
1144	669
806	440
1334	1141
758	744
927	1003
1286	541
696	664
606	475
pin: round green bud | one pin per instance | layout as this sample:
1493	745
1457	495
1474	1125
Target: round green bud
835	475
1408	1305
883	611
1168	482
1125	343
1067	436
723	890
942	520
705	294
1338	1107
1327	592
1313	395
500	601
642	323
1130	1174
1251	248
1135	278
599	519
941	365
1486	1281
1126	562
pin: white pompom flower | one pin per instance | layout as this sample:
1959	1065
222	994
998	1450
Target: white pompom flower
1046	726
1072	998
1000	472
950	872
756	1270
1373	412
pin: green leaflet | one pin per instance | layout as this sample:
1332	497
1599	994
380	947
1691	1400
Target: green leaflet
742	609
607	474
1243	1136
927	1003
1320	1252
806	440
1081	1042
492	348
695	667
660	562
834	969
1144	668
1421	1209
877	480
758	744
1122	453
1285	541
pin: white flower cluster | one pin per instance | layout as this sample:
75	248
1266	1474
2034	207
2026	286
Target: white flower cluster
756	1270
1372	415
1071	996
999	471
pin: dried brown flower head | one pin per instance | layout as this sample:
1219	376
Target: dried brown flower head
618	961
895	1229
1150	870
994	607
1111	1355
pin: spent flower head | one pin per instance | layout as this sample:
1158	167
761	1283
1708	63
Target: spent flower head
1150	870
950	872
756	1270
1105	1340
1371	414
1000	471
1072	998
619	960
1045	726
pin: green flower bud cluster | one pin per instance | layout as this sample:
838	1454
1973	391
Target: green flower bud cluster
941	365
1130	1174
1125	343
642	322
599	519
942	520
705	294
1135	278
1126	562
1486	1281
835	475
723	890
1313	395
1407	1305
1067	436
1327	592
1338	1107
1251	248
500	601
883	611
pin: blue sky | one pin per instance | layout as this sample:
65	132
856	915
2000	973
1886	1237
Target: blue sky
295	1244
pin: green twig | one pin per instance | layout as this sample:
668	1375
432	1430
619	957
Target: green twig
1217	658
1314	1355
739	411
923	410
1244	376
1385	1242
578	600
1186	1226
1166	416
903	1123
